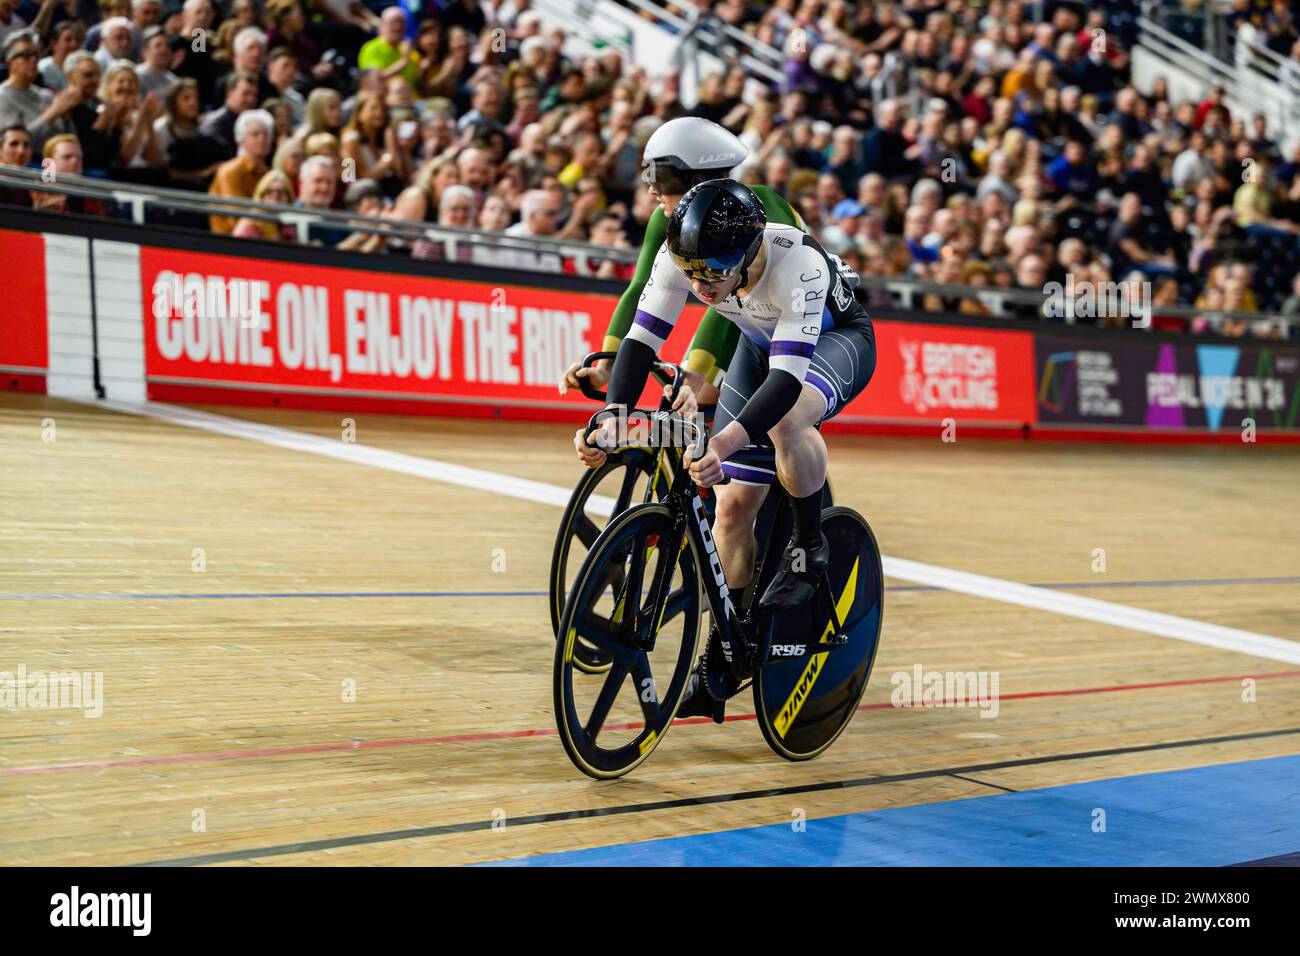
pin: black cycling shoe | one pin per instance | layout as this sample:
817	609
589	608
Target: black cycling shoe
697	701
791	587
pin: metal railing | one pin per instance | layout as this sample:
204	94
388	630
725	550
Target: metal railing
139	199
579	19
1260	81
1256	86
715	37
907	292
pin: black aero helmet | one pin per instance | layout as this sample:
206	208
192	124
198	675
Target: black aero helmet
716	230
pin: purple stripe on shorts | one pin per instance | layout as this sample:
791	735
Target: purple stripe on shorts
802	349
656	326
741	473
823	386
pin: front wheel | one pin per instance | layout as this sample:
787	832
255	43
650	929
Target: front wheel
804	703
637	599
627	477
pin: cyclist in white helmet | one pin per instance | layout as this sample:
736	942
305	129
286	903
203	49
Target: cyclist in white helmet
678	155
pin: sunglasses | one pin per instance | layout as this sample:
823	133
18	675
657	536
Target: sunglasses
24	55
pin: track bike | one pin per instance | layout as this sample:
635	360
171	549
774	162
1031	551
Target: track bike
633	474
638	598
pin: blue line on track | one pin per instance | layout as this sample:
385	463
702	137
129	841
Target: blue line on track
238	595
1206	816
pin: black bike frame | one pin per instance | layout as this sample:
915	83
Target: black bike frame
732	634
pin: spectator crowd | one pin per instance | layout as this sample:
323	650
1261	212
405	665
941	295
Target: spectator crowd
944	140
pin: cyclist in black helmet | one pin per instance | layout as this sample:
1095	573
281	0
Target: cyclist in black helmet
807	348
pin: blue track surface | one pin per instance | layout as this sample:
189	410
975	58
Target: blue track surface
1206	816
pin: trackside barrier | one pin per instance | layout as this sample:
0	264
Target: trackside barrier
111	309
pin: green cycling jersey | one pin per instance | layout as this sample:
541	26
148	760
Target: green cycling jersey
715	341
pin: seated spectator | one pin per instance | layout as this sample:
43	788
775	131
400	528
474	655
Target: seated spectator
24	104
495	215
282	74
241	15
66	38
10	21
1123	242
15	151
484	115
241	95
191	156
248	56
884	150
456	208
155	59
371	146
1191	165
197	17
317	188
289	157
324	113
997	179
975	273
63	158
116	42
274	187
365	198
280	116
1072	173
390	52
539	215
130	120
1165	293
240	176
288	30
86	118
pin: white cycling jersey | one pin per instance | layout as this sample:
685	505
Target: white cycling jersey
803	291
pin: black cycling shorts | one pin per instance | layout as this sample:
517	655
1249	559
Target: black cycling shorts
842	364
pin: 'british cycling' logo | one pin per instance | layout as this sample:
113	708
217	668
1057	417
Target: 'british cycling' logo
943	375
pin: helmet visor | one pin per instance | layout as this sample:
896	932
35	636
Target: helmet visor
710	270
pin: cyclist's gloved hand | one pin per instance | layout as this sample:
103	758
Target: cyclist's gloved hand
598	375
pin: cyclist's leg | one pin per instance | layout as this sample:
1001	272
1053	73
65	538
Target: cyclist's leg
750	470
841	367
733	530
800	450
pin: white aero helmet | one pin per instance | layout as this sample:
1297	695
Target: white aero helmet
682	148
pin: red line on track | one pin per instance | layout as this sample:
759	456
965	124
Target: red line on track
548	732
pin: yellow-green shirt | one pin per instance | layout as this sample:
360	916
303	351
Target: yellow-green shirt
379	54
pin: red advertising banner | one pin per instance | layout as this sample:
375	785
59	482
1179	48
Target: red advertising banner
927	373
24	337
320	330
235	329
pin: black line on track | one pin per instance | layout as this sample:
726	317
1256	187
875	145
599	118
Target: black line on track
390	836
983	783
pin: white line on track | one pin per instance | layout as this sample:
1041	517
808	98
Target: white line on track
978	585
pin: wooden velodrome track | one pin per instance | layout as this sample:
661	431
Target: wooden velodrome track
225	736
